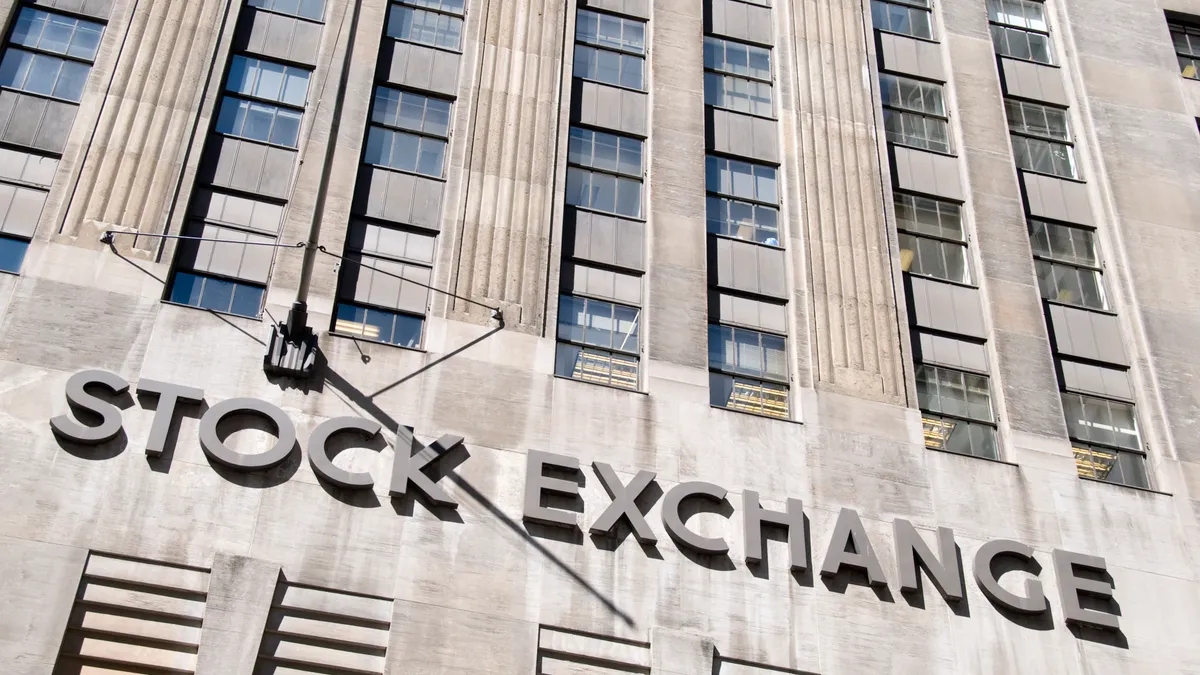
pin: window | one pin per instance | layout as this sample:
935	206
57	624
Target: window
46	32
598	341
599	164
378	325
604	192
737	77
957	410
1068	268
914	113
1035	119
749	370
228	296
43	74
743	220
736	58
1041	138
742	180
900	16
1019	30
425	27
408	110
12	253
610	32
932	242
422	152
267	81
1187	47
305	9
736	93
604	151
1105	437
258	116
609	49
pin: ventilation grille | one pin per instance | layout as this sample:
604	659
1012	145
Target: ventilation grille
312	630
133	616
562	652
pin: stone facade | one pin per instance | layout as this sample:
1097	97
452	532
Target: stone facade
113	558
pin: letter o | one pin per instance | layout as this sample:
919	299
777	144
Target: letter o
216	449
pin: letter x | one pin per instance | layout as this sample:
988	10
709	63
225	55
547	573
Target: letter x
408	465
623	503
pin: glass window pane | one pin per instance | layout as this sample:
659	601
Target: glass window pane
12	253
270	81
407	331
14	68
71	80
186	288
437	117
379	147
404	151
216	295
241	75
43	74
629	198
604	192
295	88
247	300
86	41
259	118
57	35
287	128
430	161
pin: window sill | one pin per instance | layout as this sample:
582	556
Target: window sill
264	10
588	209
439	179
993	460
951	155
1069	179
46	97
1082	308
960	284
928	40
255	141
769	118
601	384
607	84
748	160
213	311
355	338
773	247
1127	487
10	273
789	420
448	50
1017	58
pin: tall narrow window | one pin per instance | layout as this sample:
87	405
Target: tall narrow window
44	67
737	77
1019	30
604	172
1105	437
1068	268
1186	38
932	242
610	49
1041	138
957	411
748	370
598	341
907	17
382	291
914	113
433	27
264	101
408	132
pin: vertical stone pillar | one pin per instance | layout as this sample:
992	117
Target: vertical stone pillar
510	196
855	323
239	599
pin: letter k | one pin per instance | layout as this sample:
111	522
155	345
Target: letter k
412	457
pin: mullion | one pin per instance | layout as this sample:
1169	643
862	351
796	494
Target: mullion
63	11
609	47
743	76
9	45
935	237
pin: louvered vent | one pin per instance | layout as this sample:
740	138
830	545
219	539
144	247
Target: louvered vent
562	652
134	616
314	630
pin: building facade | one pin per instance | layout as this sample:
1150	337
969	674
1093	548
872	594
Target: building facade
655	336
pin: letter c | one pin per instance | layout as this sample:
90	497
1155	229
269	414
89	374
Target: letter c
1034	601
674	522
285	432
110	415
318	455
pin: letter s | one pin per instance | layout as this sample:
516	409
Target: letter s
110	415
